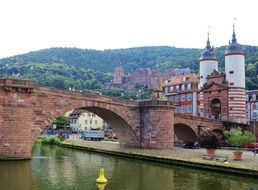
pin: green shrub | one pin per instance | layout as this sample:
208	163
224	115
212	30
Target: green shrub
38	140
238	138
51	141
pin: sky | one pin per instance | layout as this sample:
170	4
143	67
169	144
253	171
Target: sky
30	25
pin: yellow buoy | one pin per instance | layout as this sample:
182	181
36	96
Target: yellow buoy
101	178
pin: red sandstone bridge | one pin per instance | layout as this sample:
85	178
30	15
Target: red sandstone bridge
27	109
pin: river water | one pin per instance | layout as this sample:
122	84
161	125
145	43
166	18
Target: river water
53	167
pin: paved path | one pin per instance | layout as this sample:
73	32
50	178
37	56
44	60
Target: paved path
249	162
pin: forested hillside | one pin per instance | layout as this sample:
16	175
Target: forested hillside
91	69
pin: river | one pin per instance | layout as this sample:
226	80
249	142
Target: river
53	167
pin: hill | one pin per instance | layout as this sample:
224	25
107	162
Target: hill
91	69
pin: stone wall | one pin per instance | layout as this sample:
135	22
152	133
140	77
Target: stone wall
157	124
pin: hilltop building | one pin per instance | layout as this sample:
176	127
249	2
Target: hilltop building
142	76
223	94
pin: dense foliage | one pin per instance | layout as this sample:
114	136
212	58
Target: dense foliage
51	141
61	121
85	69
238	138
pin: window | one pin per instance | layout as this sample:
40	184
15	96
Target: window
246	97
88	114
183	97
189	108
93	115
177	88
90	121
231	98
231	84
86	121
183	109
171	88
171	98
177	98
166	90
231	72
183	87
189	86
201	77
254	97
230	108
189	96
96	121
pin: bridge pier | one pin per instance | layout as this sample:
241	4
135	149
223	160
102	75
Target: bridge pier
15	127
157	124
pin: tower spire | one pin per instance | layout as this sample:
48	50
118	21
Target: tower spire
208	46
234	40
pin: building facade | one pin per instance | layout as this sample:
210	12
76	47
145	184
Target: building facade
183	91
84	120
252	105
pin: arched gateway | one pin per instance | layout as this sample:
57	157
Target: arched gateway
26	109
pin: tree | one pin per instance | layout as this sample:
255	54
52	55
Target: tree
61	121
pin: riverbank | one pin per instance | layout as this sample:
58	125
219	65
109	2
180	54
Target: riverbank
177	156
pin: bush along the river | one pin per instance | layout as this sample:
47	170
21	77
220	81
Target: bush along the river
51	141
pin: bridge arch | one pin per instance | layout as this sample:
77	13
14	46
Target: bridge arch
184	133
125	127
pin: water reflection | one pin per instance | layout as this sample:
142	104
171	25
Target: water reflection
16	175
61	168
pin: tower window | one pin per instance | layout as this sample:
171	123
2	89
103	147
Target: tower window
231	72
201	77
231	84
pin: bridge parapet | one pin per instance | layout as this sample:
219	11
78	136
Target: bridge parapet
198	123
17	84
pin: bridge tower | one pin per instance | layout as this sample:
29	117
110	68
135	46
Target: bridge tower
235	75
208	64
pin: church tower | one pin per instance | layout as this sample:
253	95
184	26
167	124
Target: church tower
235	75
118	75
208	63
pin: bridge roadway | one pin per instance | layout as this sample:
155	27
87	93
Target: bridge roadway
26	109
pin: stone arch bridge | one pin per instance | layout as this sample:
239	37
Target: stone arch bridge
27	108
